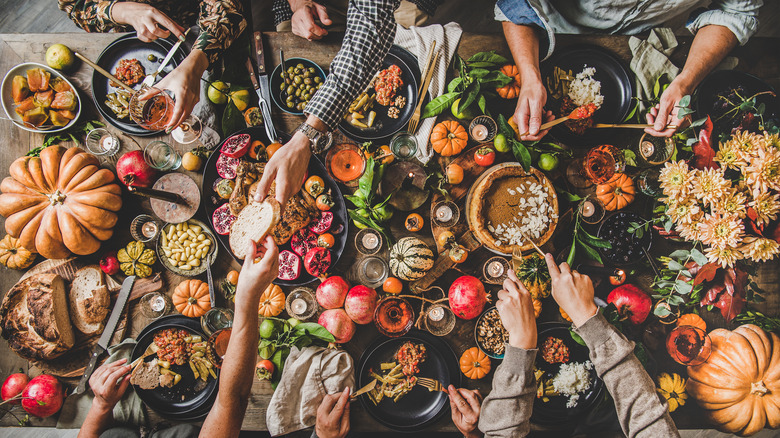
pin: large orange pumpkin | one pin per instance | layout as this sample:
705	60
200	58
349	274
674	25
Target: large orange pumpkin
616	193
60	203
271	301
191	298
449	138
474	364
739	384
512	89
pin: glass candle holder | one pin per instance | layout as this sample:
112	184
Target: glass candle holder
591	210
301	303
102	143
439	320
496	269
155	305
372	271
368	241
162	156
404	145
652	151
648	183
144	228
394	316
445	214
689	345
483	129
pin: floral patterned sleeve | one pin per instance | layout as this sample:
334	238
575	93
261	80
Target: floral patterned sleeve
91	15
221	22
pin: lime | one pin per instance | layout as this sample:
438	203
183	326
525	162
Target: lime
59	56
293	322
383	213
500	143
461	114
359	225
240	98
217	92
267	329
548	162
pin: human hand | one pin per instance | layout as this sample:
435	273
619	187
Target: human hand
256	275
465	407
517	313
572	291
288	168
109	383
529	111
149	22
305	14
184	83
666	112
333	416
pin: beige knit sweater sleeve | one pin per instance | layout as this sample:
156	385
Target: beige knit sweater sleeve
506	411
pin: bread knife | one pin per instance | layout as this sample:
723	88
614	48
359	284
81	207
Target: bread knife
108	332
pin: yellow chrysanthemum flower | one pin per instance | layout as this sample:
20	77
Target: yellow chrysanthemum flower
766	206
721	231
691	231
745	144
672	389
729	156
732	203
772	140
683	211
709	185
725	257
759	249
675	179
763	172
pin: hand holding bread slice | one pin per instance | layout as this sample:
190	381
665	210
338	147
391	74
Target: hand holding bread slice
254	222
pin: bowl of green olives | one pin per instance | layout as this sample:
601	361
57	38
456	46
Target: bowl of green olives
293	88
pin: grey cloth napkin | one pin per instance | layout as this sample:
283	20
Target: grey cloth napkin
418	40
206	112
308	375
129	410
650	59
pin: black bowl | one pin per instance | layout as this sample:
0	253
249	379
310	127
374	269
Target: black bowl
626	249
276	81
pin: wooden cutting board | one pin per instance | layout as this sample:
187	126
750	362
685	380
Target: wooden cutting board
72	364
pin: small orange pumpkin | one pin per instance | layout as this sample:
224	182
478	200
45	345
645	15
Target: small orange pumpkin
191	298
512	89
692	319
537	307
13	255
449	138
474	364
564	315
617	192
271	301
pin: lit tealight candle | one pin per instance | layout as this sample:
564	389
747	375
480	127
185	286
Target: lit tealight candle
436	314
107	142
370	241
479	132
496	269
149	229
587	209
647	148
444	213
299	306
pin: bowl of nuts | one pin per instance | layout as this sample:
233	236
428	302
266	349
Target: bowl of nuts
185	248
490	334
293	88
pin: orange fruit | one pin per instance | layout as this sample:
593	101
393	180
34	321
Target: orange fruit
232	277
393	286
454	174
271	149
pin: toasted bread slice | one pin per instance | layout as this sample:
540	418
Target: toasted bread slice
254	222
89	300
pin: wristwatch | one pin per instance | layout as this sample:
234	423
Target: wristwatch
320	141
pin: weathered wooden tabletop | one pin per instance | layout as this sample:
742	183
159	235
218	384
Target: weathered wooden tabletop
759	57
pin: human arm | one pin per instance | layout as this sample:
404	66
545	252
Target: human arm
305	13
333	416
506	411
109	383
640	412
238	367
465	407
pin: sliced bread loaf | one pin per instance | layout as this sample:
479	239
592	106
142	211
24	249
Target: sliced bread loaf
254	222
89	300
146	375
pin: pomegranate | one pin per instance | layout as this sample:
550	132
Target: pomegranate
337	322
222	219
360	304
236	146
132	168
323	223
631	302
289	266
332	292
467	297
302	241
226	166
13	386
109	263
317	261
43	396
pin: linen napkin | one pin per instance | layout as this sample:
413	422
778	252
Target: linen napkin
308	375
129	410
418	40
650	59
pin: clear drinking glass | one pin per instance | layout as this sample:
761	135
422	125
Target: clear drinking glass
151	108
217	318
602	162
394	316
373	271
404	145
188	131
162	156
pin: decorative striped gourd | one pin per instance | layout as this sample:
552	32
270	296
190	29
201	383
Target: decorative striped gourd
410	259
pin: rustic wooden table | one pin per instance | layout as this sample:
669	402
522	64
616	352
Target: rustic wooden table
758	57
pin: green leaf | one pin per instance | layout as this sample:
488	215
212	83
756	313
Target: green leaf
576	338
490	57
698	257
630	157
675	300
571	197
496	79
590	252
278	359
366	181
478	73
482	103
356	200
469	96
675	266
661	311
482	64
521	154
680	254
232	119
454	84
683	287
592	240
504	128
315	330
438	105
685	101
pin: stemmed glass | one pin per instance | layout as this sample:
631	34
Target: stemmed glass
152	109
602	163
689	345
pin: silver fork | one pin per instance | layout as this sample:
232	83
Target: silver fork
427	75
431	384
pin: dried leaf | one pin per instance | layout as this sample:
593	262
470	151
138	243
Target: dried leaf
706	273
703	153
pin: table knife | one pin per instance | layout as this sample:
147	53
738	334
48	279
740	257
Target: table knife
261	84
108	332
149	80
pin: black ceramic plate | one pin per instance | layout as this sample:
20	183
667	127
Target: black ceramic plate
129	46
555	411
617	87
384	126
276	81
420	408
626	248
210	203
183	401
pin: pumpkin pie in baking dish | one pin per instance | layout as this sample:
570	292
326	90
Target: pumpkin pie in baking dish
508	205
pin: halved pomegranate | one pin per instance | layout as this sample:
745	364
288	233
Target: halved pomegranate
236	146
302	241
323	223
226	166
222	219
317	261
289	265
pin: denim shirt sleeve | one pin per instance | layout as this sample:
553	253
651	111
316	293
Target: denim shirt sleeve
522	13
739	16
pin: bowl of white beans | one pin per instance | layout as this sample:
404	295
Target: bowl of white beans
185	248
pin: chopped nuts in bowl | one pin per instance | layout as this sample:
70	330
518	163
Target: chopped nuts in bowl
490	334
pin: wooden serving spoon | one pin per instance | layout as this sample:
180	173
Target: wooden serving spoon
579	113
